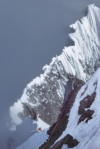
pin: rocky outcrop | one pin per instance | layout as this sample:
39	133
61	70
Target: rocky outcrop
57	128
86	103
79	121
68	140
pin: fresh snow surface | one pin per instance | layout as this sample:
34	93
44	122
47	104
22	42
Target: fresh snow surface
88	134
38	137
12	139
64	147
35	141
79	62
41	124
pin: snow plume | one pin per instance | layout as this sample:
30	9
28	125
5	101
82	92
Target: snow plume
46	93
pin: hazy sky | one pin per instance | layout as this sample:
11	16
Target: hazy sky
31	33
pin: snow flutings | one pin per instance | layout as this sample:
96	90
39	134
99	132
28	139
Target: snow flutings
76	63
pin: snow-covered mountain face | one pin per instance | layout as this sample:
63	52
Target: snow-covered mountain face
45	94
78	125
84	124
84	117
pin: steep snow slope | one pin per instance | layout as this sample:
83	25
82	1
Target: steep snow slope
84	117
46	93
78	125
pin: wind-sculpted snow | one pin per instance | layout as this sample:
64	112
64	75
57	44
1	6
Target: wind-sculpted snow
77	63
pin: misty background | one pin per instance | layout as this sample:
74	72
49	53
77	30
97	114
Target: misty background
31	33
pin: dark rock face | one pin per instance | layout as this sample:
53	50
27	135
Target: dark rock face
48	95
86	103
28	111
86	115
68	139
57	128
46	111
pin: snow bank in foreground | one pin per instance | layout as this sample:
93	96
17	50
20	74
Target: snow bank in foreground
35	141
65	147
38	137
41	124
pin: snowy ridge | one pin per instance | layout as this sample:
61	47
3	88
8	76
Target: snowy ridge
87	133
45	93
